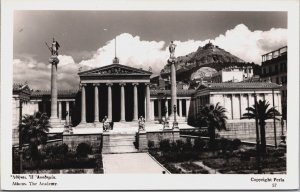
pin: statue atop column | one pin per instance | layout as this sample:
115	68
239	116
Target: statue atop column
54	47
54	51
172	47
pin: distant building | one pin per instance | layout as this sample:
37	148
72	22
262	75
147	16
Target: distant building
274	69
232	74
21	96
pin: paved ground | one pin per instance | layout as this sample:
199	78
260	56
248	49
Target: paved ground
130	163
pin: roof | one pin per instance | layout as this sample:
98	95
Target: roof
60	93
239	85
22	90
180	92
19	86
114	69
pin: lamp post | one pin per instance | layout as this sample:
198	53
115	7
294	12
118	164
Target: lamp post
257	137
20	137
274	120
282	132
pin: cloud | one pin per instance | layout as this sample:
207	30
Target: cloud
132	51
239	41
250	45
38	74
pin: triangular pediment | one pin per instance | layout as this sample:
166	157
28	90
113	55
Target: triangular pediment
114	69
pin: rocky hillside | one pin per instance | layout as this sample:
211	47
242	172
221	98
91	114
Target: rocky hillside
208	56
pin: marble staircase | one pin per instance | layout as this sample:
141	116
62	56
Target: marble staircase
119	143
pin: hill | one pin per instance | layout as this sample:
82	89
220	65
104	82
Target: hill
210	56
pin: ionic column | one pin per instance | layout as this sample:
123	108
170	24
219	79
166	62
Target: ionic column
96	119
152	110
147	101
109	103
173	87
240	102
135	102
59	111
187	107
53	118
180	108
166	107
159	109
122	102
44	106
83	105
68	114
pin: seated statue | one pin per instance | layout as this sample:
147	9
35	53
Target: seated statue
165	123
141	123
106	124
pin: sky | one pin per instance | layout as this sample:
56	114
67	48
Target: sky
87	39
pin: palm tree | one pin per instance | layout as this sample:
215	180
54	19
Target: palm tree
215	118
34	130
263	113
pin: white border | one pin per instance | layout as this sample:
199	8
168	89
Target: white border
130	181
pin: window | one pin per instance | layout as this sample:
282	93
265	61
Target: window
250	70
270	69
276	68
282	79
281	67
277	80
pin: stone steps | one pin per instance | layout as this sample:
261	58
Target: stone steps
119	143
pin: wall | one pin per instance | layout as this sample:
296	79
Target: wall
236	103
246	131
156	137
95	140
15	120
29	108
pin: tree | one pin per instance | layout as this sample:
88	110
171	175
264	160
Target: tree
34	130
215	118
263	113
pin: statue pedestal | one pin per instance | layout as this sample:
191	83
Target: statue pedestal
55	123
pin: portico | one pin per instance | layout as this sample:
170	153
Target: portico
117	91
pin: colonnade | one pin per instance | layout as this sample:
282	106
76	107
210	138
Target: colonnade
168	109
109	101
235	103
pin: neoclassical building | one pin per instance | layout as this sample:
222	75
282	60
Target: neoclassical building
124	93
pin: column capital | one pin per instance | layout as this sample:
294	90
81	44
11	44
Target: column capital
122	84
82	85
96	84
135	84
109	84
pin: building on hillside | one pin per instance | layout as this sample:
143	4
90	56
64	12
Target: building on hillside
232	74
274	69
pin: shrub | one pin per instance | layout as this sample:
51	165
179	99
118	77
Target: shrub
224	144
150	144
178	145
199	144
245	156
188	145
164	145
83	149
63	149
236	143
